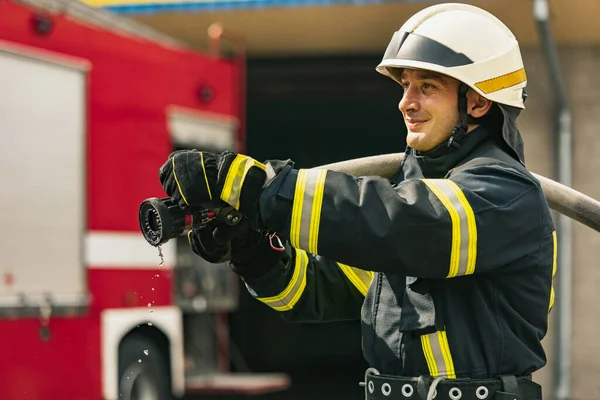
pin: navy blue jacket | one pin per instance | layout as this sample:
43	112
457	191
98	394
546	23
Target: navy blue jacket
449	266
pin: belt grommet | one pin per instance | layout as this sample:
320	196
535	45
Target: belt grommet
482	392
371	386
386	389
455	393
407	390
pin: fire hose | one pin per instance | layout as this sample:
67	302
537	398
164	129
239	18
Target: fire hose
561	198
161	219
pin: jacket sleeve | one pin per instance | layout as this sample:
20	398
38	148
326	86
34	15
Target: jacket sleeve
309	288
477	221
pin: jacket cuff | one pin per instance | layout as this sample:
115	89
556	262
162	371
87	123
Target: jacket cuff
254	261
276	200
269	272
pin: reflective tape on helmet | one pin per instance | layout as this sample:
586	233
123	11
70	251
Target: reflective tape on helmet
502	82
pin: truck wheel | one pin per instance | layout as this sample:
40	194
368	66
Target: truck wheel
143	370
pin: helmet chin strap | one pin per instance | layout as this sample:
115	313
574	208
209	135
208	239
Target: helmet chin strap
460	130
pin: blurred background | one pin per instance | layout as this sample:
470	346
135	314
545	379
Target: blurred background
95	94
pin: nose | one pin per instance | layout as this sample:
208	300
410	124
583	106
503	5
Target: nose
409	100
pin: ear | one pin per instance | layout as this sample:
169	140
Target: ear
477	105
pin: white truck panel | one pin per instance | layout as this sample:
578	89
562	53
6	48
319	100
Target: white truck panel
42	168
202	130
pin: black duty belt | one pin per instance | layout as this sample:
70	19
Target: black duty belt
390	387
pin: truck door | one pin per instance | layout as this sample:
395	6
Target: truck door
43	168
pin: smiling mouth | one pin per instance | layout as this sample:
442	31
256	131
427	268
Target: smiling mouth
414	124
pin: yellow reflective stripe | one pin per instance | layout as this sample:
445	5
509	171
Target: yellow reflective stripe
287	299
448	362
471	227
360	279
554	244
315	218
177	181
454	217
205	177
463	253
437	354
502	81
306	209
235	179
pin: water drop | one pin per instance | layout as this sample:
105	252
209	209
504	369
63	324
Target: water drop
146	352
139	360
162	258
149	304
149	323
153	289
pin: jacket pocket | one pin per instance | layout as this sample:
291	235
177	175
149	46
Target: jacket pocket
418	307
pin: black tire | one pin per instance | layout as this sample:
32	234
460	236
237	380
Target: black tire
143	370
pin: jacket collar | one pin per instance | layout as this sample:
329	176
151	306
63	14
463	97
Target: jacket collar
437	162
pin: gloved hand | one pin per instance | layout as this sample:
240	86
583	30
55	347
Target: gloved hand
249	251
254	253
201	179
213	241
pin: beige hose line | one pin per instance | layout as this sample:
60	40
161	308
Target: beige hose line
561	198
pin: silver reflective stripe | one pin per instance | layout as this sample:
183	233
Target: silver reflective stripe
464	230
437	354
286	300
306	209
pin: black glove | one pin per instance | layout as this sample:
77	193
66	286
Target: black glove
254	254
213	241
251	253
201	179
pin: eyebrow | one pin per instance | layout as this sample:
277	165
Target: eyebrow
423	75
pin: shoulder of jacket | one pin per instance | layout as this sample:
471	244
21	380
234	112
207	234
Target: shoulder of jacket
489	166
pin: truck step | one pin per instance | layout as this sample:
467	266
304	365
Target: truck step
236	383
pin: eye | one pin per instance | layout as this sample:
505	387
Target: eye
427	85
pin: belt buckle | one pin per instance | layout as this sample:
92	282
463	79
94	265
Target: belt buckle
429	391
369	385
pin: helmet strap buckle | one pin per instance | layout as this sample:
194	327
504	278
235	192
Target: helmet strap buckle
460	130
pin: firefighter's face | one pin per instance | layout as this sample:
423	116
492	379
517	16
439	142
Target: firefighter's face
429	106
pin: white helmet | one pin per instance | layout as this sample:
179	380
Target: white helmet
463	42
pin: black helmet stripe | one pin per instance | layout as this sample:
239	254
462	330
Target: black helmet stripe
410	46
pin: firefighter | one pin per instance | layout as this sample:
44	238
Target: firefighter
449	266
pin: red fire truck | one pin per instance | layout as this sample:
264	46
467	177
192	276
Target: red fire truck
91	105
